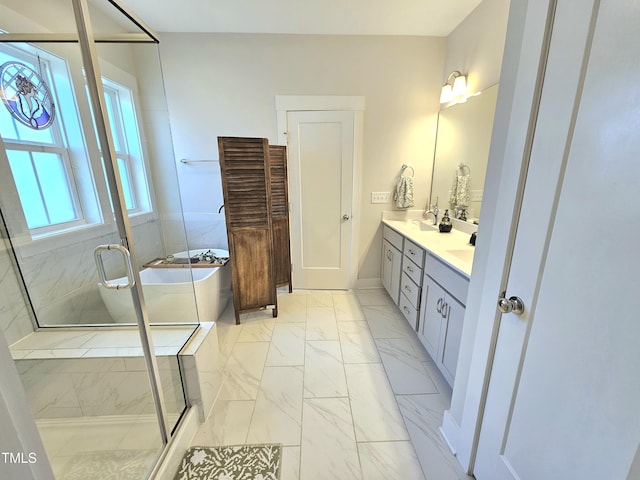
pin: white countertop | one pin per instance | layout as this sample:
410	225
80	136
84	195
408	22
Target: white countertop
452	248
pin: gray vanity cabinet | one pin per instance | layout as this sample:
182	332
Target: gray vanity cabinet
392	244
430	294
453	314
431	318
411	282
442	315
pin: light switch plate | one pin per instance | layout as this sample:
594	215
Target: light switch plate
380	197
476	195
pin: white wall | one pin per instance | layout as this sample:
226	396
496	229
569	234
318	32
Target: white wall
475	47
225	84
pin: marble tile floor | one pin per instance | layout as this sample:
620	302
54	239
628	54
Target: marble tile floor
339	379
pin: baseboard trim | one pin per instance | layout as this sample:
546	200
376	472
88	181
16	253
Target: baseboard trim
450	431
367	283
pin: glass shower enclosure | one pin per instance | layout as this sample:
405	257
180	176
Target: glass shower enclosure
89	198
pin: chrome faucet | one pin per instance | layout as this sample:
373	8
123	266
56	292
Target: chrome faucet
433	210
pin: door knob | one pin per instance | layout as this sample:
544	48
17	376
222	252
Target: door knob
510	305
345	217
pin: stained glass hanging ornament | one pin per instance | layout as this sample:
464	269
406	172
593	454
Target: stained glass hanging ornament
26	95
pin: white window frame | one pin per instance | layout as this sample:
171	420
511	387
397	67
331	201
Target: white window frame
68	141
79	221
127	133
67	83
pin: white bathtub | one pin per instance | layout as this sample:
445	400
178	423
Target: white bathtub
169	293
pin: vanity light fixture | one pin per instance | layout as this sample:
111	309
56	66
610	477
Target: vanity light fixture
455	89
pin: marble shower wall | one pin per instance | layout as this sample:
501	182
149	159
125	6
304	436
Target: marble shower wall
14	315
206	230
206	227
202	366
89	387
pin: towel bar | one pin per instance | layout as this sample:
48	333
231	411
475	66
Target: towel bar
461	168
404	167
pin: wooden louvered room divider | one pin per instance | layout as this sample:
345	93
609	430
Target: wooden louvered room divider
246	187
280	215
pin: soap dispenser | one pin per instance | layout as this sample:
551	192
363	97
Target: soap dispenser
445	224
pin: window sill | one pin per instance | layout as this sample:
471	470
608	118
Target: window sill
29	247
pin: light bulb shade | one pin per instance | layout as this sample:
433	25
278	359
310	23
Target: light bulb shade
446	94
459	86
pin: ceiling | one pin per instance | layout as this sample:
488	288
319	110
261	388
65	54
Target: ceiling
330	17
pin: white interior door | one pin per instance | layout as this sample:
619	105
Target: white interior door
321	149
564	391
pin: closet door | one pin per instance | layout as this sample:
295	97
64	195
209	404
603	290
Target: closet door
562	400
321	150
246	187
280	215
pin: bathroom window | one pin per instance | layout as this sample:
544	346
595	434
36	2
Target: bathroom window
57	174
44	163
128	150
43	185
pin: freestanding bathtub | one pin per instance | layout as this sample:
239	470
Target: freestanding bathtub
169	293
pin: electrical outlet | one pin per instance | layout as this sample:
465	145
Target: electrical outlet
380	197
476	195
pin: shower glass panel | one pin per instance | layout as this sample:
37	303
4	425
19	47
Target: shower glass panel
86	203
139	123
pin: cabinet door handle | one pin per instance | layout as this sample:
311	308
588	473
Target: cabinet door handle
407	288
409	268
411	252
445	310
389	255
406	310
439	306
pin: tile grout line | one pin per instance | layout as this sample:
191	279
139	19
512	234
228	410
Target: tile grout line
304	362
353	423
413	353
395	399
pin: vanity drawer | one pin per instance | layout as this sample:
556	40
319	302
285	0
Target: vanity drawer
393	237
414	252
410	290
452	281
409	311
412	270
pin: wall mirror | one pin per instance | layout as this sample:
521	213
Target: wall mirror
462	151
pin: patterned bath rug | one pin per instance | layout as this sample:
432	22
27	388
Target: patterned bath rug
237	462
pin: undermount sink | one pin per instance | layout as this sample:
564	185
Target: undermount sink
428	227
464	255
